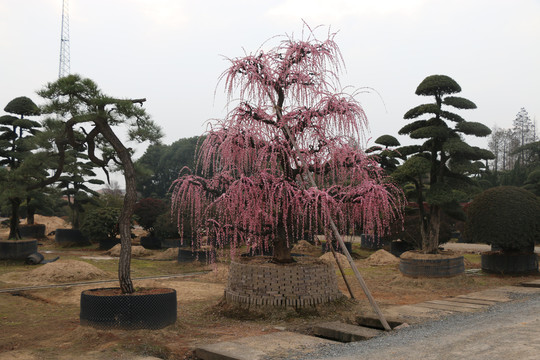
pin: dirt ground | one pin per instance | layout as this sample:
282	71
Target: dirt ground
44	323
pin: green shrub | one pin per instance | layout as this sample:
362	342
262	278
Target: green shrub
147	211
165	227
507	217
101	224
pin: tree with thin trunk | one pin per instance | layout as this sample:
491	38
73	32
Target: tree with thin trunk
441	166
88	118
26	166
290	122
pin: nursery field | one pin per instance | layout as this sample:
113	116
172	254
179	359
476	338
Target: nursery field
43	323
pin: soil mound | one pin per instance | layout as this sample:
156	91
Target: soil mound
60	271
303	245
51	223
382	257
136	251
169	254
328	257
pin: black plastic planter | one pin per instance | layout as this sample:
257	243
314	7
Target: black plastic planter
70	237
34	231
188	255
151	242
170	243
107	244
153	310
17	249
370	242
510	263
348	246
398	247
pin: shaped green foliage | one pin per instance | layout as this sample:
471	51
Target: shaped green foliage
505	216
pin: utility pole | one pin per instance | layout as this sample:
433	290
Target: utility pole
64	68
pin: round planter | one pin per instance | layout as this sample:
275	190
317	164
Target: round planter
256	282
108	244
70	237
431	266
170	243
188	255
509	263
107	308
348	246
370	242
398	247
34	231
17	249
151	242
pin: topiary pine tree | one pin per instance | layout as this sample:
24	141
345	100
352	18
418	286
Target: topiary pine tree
440	167
289	124
17	143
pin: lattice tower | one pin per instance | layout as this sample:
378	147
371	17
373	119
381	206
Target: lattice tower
64	68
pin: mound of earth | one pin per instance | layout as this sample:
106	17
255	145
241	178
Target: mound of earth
382	257
51	223
303	245
136	251
169	254
60	271
328	257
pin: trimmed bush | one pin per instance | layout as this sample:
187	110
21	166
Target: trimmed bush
146	212
506	217
101	224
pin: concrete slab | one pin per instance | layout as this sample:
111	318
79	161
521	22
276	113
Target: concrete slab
413	314
535	283
458	304
447	307
467	300
276	344
372	321
343	332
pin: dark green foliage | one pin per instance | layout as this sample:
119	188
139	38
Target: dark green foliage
387	140
147	211
160	164
22	106
166	227
421	110
473	128
437	85
459	102
504	216
101	224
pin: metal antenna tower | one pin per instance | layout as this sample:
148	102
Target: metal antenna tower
64	41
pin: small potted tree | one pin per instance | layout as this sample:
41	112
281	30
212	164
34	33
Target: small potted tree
84	109
507	218
437	171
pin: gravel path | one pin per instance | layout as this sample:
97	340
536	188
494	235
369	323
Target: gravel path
505	331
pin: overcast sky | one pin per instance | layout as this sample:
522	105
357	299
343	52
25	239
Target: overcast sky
173	51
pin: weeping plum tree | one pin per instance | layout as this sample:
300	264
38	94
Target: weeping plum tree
289	123
89	118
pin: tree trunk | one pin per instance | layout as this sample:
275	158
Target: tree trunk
14	221
282	252
124	263
30	212
430	231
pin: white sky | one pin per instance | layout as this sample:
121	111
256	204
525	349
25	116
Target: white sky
172	52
